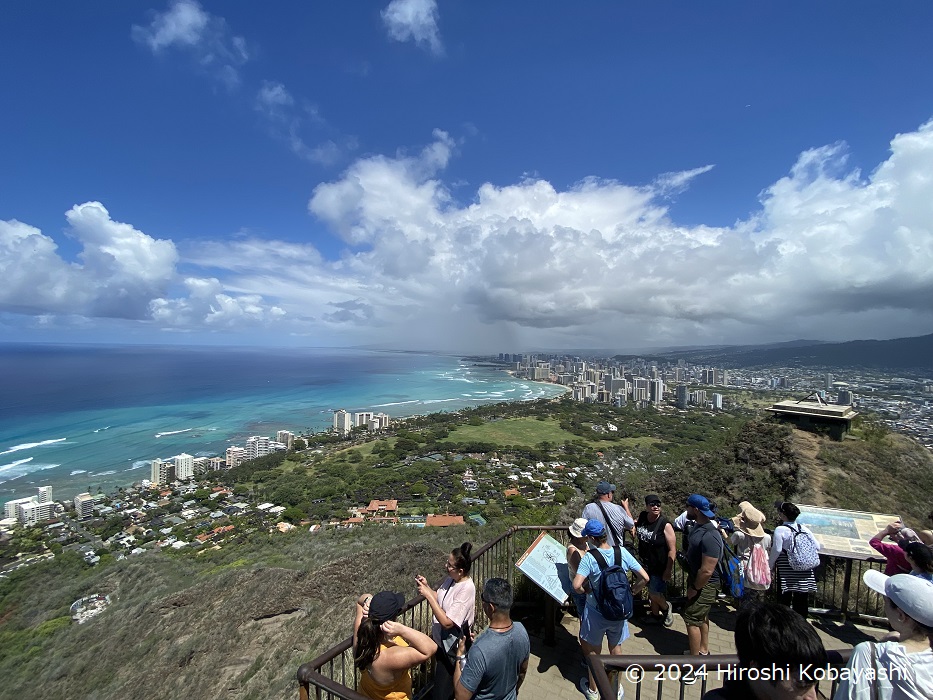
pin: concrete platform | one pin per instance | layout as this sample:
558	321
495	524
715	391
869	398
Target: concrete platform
554	671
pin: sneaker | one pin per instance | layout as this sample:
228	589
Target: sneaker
621	693
584	686
669	615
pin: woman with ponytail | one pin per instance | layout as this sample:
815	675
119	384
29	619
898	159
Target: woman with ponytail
453	604
384	650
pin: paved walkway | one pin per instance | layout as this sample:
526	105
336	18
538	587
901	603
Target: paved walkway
554	671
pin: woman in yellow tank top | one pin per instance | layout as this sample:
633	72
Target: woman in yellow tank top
384	650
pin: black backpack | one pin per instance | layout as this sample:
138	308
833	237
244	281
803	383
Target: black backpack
612	592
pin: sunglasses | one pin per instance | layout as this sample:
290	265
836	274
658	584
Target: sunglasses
654	504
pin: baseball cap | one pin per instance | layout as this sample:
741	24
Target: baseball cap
385	605
652	498
909	593
604	487
593	528
702	504
577	528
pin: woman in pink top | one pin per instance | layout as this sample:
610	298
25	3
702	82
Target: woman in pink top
453	604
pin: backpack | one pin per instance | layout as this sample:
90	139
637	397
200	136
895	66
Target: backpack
730	572
612	592
804	553
758	572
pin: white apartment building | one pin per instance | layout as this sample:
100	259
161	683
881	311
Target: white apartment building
84	505
286	437
717	402
257	446
362	418
217	463
32	509
379	421
184	467
343	422
235	456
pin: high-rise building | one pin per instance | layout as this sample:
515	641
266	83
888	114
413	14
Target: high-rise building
844	398
217	463
45	494
683	396
829	382
235	456
257	446
156	475
656	391
84	505
184	466
717	402
286	437
343	422
361	419
11	508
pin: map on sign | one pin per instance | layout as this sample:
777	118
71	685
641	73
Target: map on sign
545	563
844	532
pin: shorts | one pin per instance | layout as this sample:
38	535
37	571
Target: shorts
656	584
593	627
697	611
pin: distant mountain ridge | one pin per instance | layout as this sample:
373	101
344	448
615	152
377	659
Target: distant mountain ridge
897	354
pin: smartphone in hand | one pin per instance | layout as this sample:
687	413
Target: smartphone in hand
467	637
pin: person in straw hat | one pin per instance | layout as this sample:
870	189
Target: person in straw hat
748	538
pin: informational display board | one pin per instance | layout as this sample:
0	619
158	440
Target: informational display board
545	563
844	532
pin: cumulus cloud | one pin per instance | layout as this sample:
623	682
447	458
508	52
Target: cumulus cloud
186	26
830	252
414	20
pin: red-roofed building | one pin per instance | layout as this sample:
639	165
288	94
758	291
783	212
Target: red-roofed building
510	492
375	507
443	520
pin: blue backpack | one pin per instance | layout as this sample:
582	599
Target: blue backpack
730	573
612	592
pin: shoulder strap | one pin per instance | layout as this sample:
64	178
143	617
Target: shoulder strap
615	534
657	526
600	559
874	665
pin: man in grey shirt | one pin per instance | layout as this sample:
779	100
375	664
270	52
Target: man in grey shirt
617	519
496	664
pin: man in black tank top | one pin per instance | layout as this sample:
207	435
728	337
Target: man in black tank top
657	549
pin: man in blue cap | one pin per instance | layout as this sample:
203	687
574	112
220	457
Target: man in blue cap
617	519
704	550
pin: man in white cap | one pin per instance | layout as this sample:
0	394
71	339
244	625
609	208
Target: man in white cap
901	668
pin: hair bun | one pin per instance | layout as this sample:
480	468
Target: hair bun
465	548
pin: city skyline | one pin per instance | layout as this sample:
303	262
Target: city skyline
441	176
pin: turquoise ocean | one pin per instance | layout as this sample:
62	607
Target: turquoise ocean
80	418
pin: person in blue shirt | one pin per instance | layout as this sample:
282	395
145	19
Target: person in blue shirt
593	626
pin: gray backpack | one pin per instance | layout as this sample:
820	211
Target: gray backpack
804	553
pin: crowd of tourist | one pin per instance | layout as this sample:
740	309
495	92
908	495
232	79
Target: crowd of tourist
775	634
606	578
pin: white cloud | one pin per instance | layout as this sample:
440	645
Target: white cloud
414	20
186	26
830	253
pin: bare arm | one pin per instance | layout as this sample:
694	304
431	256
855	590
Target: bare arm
640	582
707	566
362	609
579	583
430	595
521	675
398	658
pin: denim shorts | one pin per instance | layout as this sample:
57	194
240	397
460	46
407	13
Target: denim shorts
594	627
657	584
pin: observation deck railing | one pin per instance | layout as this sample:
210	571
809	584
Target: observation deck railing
840	593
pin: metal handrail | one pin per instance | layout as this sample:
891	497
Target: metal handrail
333	675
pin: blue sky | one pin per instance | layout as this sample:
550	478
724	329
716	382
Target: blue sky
465	176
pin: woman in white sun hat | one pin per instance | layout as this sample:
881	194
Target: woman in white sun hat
903	669
575	551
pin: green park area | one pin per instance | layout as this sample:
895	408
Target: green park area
512	431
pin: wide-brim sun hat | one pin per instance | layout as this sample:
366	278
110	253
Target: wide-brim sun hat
576	529
911	594
750	520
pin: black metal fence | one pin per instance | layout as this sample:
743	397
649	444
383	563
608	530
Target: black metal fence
840	593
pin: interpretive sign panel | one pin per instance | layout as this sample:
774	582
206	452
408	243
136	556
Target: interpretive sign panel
844	532
545	563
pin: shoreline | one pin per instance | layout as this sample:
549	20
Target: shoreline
117	451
